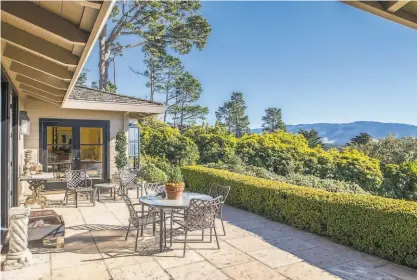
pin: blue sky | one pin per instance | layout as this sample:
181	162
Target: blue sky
318	61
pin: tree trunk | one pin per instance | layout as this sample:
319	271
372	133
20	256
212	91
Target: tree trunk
167	97
104	55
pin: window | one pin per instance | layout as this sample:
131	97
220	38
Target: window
134	140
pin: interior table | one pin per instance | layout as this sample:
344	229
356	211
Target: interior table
36	185
164	203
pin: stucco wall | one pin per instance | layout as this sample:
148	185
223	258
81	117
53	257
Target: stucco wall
38	109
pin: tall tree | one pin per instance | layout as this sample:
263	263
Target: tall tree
362	139
160	25
232	115
184	111
273	120
82	78
161	71
312	136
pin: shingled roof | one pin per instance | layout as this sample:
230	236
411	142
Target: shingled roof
94	95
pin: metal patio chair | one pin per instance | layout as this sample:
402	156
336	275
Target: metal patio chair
78	182
128	181
223	191
200	215
138	221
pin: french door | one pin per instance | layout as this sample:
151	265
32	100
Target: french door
75	144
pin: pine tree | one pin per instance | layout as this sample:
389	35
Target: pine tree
361	139
273	120
161	25
184	111
312	136
232	115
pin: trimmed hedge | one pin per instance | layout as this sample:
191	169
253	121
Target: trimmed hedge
379	226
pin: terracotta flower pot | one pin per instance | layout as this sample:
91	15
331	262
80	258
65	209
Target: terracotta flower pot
174	190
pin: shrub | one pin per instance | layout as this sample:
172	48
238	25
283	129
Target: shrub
329	185
174	174
376	225
312	181
160	140
285	153
214	144
400	181
151	173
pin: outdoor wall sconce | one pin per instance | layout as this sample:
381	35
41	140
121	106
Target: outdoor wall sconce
24	123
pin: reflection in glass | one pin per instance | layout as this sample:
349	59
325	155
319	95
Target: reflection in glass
59	149
91	150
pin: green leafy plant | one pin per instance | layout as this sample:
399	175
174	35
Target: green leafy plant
152	174
380	226
121	150
175	175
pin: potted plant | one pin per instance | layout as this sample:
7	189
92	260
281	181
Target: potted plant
175	185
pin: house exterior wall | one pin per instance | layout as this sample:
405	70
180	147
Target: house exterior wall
37	109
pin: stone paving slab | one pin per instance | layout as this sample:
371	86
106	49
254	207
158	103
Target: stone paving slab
253	248
253	271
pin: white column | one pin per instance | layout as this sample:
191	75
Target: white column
19	255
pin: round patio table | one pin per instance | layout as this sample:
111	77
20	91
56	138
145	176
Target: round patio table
164	203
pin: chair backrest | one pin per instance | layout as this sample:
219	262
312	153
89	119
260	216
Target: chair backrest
127	177
200	213
219	190
133	215
154	188
76	178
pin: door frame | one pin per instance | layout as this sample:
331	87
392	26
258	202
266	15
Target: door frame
77	123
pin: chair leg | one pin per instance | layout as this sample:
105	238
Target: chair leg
202	234
127	232
211	235
185	243
154	226
66	197
217	239
224	231
165	231
136	243
170	230
98	197
137	192
76	199
143	213
93	193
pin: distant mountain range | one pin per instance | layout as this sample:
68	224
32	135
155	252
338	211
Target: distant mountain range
341	133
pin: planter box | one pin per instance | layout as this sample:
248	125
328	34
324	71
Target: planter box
48	227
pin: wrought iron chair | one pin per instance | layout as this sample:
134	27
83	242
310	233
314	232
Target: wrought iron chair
200	216
223	191
78	182
128	179
154	188
138	221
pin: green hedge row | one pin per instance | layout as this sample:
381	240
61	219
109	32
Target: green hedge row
379	226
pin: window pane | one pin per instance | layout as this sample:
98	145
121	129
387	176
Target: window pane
91	153
91	135
94	169
59	159
58	135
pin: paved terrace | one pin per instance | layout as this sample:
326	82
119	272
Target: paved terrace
254	248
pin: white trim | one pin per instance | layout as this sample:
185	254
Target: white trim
108	106
101	21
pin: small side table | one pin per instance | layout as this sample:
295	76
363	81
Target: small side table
110	186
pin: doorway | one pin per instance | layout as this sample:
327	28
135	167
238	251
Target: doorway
75	144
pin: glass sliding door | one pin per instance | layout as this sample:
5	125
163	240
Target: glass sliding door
59	150
75	144
91	150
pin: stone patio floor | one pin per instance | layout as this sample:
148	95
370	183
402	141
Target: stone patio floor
253	248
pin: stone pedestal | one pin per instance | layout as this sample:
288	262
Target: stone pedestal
19	255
